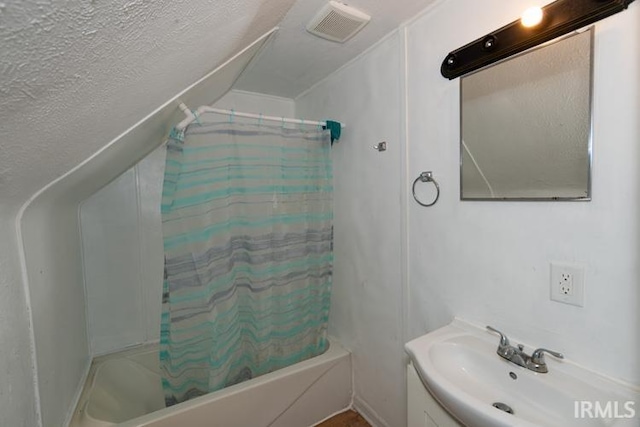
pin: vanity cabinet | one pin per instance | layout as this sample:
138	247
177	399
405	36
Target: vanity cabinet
422	409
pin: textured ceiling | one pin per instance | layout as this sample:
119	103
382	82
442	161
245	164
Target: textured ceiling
297	60
74	74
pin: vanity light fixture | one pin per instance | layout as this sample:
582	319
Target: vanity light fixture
551	21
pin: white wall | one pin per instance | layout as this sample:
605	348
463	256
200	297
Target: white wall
57	305
487	262
123	257
122	243
18	404
366	301
250	102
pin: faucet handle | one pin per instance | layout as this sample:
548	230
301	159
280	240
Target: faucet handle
504	341
538	355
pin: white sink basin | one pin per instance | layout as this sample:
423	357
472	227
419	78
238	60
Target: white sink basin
459	366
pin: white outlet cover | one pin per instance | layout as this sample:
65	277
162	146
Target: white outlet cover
576	271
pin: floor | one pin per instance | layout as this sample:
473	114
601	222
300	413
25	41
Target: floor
346	419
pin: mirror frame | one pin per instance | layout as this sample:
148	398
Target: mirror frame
589	195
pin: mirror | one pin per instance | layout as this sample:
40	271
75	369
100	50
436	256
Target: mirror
526	125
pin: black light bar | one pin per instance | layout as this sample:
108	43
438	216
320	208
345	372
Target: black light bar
559	18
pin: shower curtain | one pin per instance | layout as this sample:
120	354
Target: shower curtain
247	221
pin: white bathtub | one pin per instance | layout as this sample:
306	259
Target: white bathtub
124	389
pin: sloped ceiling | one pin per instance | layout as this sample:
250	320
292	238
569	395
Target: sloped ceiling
74	74
297	60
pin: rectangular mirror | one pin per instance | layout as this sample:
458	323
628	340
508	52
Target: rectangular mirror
526	125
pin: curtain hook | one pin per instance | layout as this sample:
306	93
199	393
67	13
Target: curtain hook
301	124
231	116
282	122
260	120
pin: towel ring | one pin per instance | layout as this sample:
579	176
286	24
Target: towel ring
425	177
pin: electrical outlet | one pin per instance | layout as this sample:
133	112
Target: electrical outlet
567	283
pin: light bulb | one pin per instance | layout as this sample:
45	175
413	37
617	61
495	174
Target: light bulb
531	17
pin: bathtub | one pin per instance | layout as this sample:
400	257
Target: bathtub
124	389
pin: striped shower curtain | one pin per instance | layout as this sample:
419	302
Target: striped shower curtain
247	223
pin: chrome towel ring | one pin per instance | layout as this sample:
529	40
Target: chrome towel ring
425	177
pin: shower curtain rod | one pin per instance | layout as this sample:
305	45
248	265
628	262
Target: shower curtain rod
193	116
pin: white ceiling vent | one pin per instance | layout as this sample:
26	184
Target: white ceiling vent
337	22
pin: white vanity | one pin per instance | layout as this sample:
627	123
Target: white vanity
423	409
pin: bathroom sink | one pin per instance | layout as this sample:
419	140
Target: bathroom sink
458	364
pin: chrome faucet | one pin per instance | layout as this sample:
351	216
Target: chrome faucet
535	362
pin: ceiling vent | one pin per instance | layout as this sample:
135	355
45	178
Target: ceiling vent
337	22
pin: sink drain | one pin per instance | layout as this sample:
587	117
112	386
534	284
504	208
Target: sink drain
503	407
